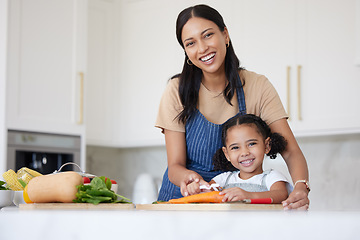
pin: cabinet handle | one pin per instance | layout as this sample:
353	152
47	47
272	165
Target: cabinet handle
81	102
288	70
299	91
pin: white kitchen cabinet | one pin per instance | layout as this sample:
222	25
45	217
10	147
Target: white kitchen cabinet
329	81
132	54
101	99
46	66
126	71
307	49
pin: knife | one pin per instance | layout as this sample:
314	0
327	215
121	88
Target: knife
255	201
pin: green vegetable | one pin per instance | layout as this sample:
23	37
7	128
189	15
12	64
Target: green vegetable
23	184
3	187
98	191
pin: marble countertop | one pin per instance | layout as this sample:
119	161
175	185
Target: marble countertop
143	224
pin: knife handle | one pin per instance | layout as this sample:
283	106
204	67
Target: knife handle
261	201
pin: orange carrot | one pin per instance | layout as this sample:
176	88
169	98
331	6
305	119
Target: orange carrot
207	197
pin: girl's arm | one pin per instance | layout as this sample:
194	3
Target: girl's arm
297	166
278	193
176	155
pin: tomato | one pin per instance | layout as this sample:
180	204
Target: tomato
86	180
112	181
26	196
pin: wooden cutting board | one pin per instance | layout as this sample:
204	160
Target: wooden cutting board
77	206
209	207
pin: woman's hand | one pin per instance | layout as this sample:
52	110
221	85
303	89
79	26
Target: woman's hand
298	199
234	194
191	184
297	166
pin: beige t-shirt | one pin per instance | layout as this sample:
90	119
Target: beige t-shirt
261	99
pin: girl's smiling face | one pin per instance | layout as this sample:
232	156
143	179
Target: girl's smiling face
205	44
245	149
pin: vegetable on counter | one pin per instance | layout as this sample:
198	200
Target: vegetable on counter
17	181
2	187
86	180
98	191
59	187
206	197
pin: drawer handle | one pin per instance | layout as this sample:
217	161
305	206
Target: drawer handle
299	91
81	102
288	71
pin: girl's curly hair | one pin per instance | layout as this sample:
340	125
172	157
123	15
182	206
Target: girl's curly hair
277	142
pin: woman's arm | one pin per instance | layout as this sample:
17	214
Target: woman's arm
176	155
297	166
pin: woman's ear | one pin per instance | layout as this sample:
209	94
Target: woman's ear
227	37
226	153
267	145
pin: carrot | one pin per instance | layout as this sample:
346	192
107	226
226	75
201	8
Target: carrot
207	197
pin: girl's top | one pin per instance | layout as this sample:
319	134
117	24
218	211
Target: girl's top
258	183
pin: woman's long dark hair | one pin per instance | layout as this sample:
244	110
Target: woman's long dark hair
190	77
277	142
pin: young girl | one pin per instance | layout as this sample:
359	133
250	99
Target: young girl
246	140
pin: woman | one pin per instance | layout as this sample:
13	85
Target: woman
211	89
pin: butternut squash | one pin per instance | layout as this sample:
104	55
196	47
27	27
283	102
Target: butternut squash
58	187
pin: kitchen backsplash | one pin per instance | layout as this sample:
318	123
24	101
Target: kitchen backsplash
334	166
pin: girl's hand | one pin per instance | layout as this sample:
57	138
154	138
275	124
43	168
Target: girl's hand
234	194
191	184
298	199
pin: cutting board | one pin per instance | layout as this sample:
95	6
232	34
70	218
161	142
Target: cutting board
77	206
209	207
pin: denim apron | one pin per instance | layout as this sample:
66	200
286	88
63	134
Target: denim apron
203	139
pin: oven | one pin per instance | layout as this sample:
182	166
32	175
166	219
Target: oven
42	152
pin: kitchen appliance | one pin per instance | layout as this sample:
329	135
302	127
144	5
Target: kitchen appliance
145	191
42	152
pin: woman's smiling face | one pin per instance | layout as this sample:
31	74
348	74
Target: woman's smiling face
205	44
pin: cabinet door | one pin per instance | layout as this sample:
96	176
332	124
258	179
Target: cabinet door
101	80
329	78
46	56
263	34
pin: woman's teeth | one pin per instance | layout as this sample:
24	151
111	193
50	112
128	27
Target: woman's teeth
208	57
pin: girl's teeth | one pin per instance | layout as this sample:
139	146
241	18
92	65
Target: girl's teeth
246	162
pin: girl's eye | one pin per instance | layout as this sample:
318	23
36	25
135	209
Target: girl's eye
234	148
252	144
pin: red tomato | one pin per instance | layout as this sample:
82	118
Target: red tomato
86	180
112	181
